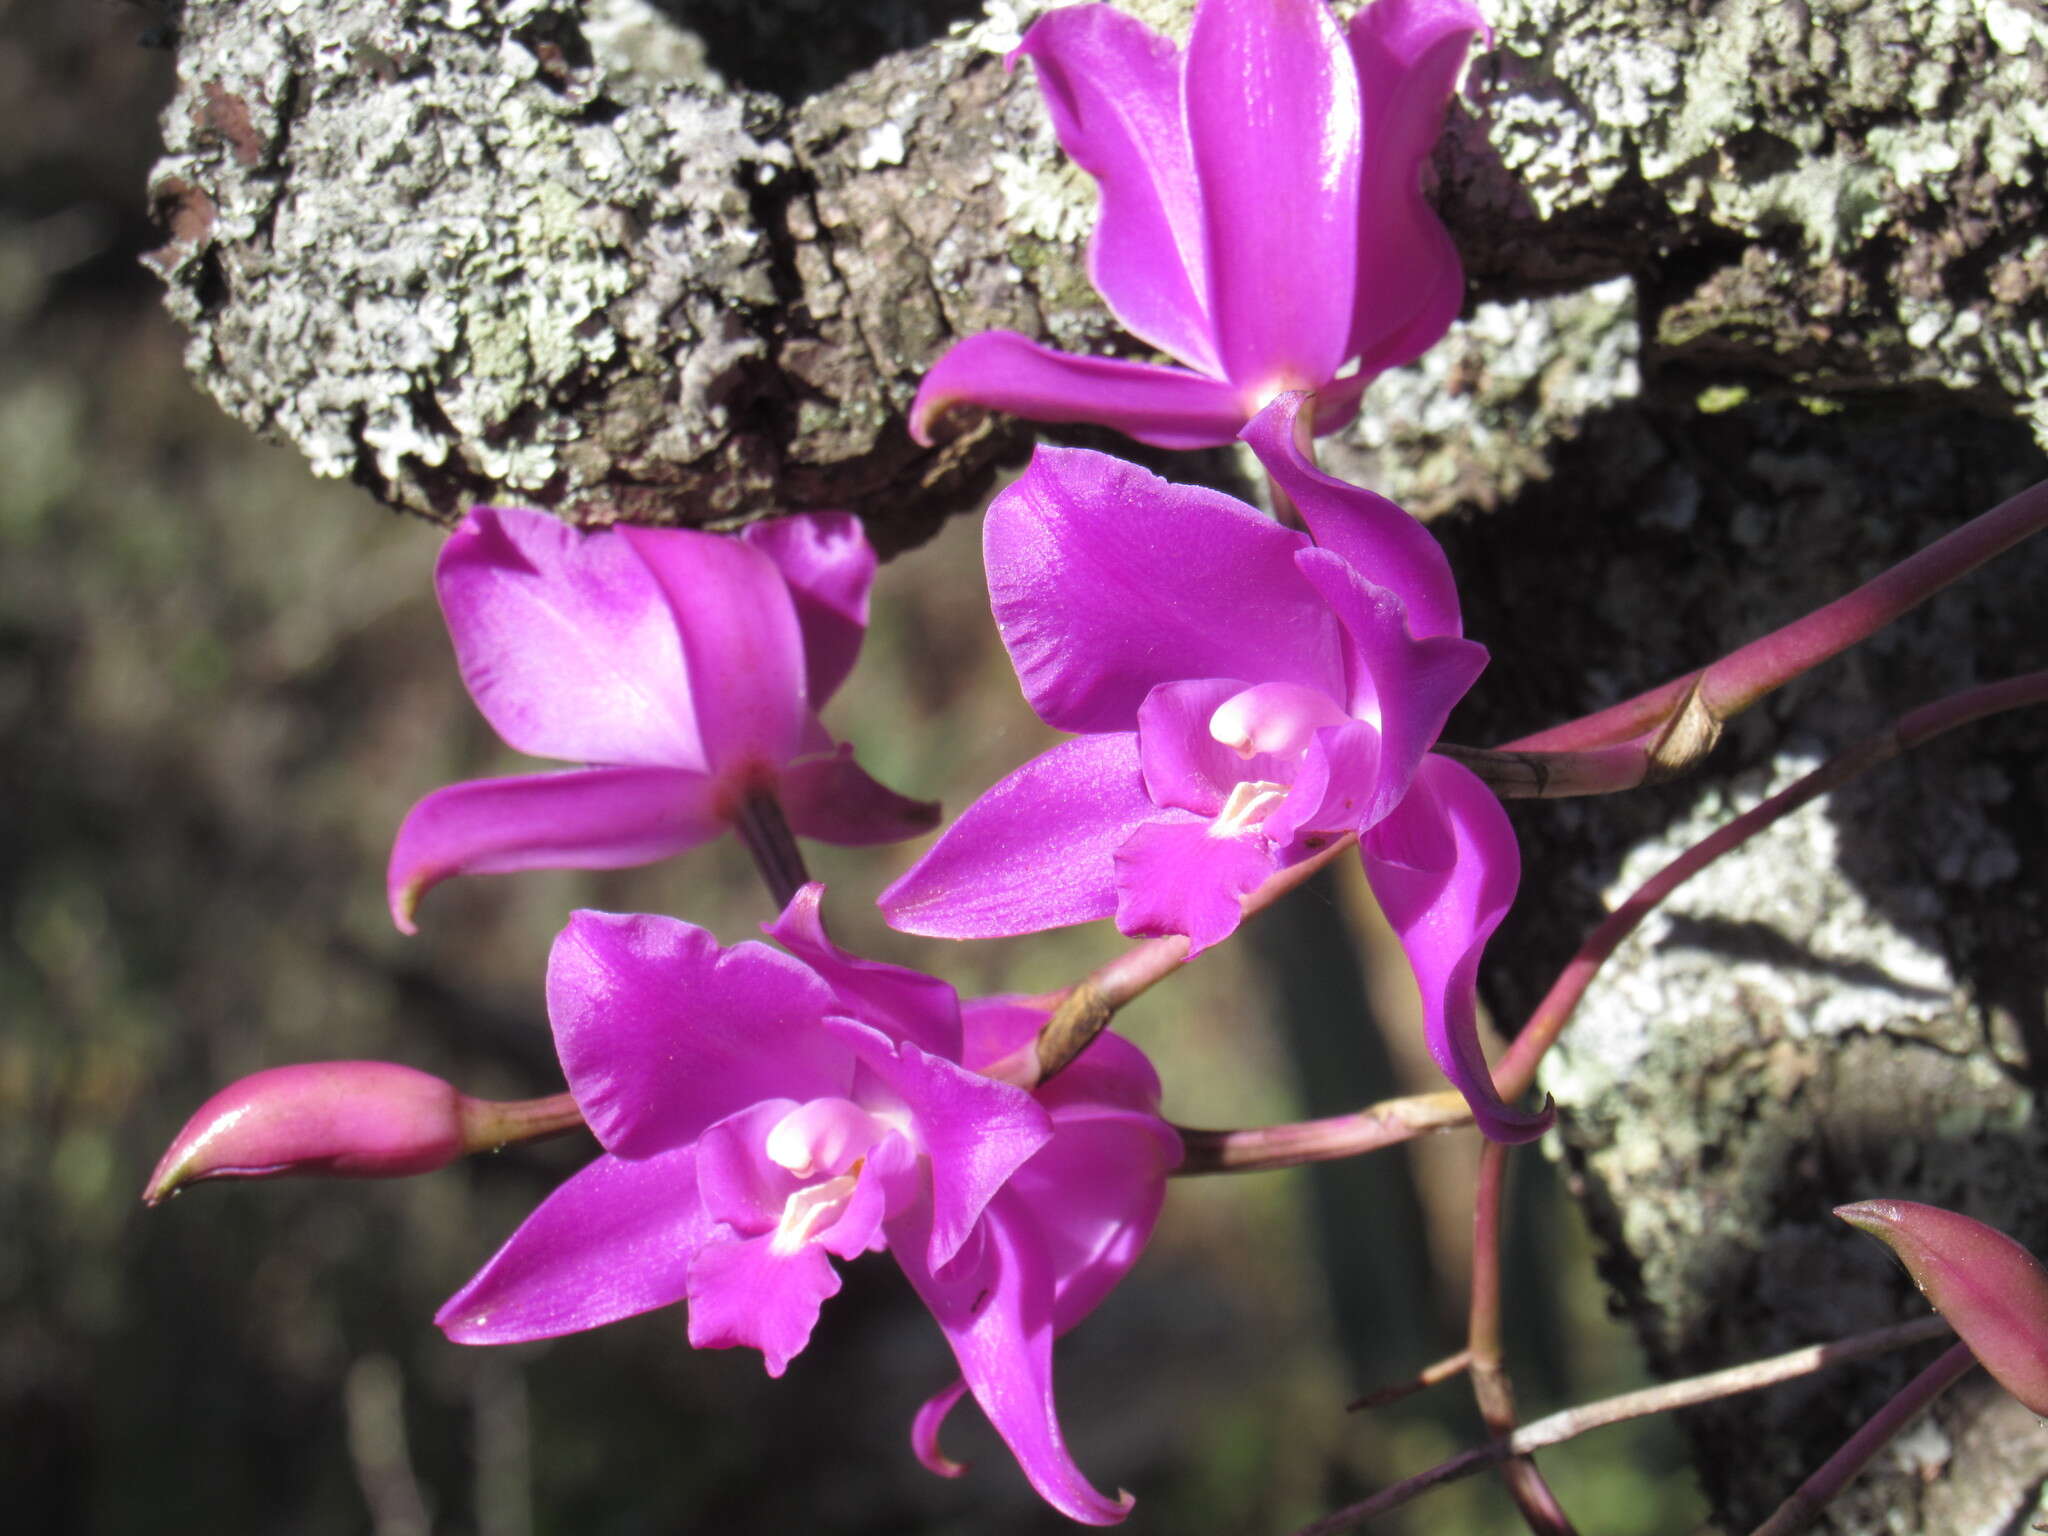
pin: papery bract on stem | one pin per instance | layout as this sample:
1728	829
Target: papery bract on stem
687	667
1243	694
763	1113
1261	214
1993	1292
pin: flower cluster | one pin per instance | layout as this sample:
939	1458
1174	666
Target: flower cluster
1242	695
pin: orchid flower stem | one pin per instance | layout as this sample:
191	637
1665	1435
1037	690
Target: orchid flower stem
490	1124
1429	1376
1726	687
1086	1008
1517	1070
765	830
1569	1424
1516	775
1491	1388
1812	1496
1319	1141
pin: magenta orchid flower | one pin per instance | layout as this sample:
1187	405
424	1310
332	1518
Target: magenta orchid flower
1243	694
1261	217
688	667
763	1114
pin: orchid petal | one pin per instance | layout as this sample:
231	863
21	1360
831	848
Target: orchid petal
1185	766
589	818
1341	780
1408	686
739	1184
994	1303
1003	371
1444	866
1107	581
745	1292
924	1431
1095	1192
1112	86
1110	1072
831	798
663	1033
565	642
1274	118
613	1241
1175	876
1410	282
975	1131
903	1004
829	566
1033	852
743	650
1380	541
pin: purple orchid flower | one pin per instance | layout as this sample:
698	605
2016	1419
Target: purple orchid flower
763	1113
690	666
1261	217
1243	694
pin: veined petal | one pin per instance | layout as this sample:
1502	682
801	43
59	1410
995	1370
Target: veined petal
613	1241
744	1291
1380	541
994	1303
663	1033
1112	86
1174	876
565	642
829	565
1185	766
743	650
1107	581
1444	866
1272	101
587	818
831	798
1408	686
1410	282
975	1131
903	1004
1166	407
1034	852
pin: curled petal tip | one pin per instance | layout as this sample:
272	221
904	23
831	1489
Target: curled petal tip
405	902
1991	1289
347	1119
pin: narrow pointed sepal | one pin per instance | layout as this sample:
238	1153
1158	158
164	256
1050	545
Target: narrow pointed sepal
1992	1290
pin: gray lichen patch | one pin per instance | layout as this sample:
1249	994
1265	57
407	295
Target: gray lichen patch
1862	167
439	234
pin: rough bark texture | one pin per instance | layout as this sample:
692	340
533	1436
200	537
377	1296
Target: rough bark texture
1760	305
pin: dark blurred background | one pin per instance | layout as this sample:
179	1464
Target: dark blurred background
222	682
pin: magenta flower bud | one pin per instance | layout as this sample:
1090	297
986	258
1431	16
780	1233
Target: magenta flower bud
1991	1290
342	1119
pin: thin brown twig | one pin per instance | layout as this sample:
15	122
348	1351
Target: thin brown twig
1430	1375
1570	1423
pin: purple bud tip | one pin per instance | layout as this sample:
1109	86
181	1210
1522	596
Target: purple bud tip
342	1119
1991	1290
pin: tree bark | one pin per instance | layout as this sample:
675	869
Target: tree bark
1759	305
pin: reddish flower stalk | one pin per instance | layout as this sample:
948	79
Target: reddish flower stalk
1491	1387
1835	1474
1727	687
1517	1070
